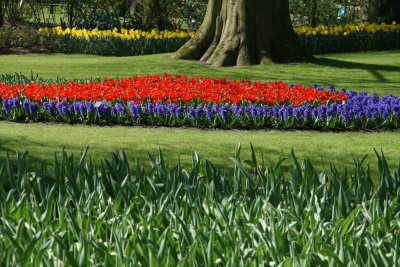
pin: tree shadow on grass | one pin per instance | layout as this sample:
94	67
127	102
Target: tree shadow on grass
34	161
372	68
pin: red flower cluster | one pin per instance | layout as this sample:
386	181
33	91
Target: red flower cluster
172	89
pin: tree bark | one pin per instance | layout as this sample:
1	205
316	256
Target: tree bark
245	32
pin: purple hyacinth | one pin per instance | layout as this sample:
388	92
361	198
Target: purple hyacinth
150	109
191	112
297	113
331	111
238	111
25	104
161	110
224	112
267	111
7	106
215	108
118	110
175	110
195	113
16	102
252	111
103	110
210	113
346	113
321	112
89	107
50	107
82	110
383	111
276	113
135	109
372	111
62	107
33	108
307	111
286	111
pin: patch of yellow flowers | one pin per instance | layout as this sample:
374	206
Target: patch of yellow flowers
115	33
346	30
156	34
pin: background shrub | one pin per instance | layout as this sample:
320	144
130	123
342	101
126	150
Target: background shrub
22	36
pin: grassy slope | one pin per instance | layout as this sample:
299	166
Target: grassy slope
372	71
367	71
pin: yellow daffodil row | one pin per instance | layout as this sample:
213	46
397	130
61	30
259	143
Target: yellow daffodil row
346	30
123	33
156	34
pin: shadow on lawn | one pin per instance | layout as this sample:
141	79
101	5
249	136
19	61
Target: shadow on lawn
372	68
6	150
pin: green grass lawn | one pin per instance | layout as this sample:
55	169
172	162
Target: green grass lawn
216	145
368	71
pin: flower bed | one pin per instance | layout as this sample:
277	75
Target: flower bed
201	102
348	29
125	42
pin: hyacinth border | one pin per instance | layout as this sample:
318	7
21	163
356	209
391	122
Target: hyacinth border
360	112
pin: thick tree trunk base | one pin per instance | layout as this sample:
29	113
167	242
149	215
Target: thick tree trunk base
245	32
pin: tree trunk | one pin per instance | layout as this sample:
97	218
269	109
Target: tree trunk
245	32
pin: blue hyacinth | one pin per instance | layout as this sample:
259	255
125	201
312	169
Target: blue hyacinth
135	109
16	102
62	107
103	110
224	112
50	107
33	108
118	110
7	106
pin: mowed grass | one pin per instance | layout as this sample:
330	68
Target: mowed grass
323	148
367	71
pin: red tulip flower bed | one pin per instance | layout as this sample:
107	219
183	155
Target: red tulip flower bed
179	89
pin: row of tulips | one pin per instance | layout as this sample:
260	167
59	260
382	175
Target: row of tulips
361	110
179	89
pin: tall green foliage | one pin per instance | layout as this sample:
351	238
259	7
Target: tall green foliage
324	12
10	11
121	214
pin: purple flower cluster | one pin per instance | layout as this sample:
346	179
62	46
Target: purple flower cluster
360	108
157	109
31	107
118	110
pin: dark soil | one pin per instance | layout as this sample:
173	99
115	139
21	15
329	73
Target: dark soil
22	50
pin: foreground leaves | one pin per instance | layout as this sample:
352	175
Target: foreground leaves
121	214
